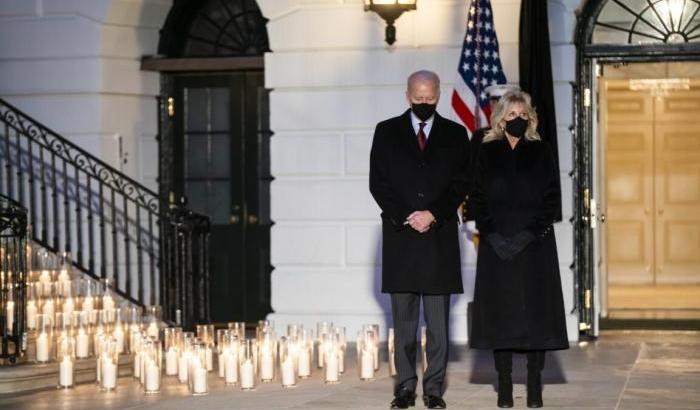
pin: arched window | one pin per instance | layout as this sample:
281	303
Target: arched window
648	22
214	28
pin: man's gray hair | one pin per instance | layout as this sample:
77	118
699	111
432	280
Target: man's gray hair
423	75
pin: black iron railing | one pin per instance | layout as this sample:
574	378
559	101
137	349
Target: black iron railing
109	223
13	277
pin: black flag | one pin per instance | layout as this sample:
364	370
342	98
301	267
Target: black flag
536	70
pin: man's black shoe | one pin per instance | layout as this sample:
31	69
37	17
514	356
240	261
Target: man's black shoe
434	402
403	400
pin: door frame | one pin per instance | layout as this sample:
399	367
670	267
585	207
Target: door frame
590	281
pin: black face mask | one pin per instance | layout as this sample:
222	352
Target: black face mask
516	127
423	110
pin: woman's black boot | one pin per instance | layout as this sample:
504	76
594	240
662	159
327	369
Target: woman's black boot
535	364
504	366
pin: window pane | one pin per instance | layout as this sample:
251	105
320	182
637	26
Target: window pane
196	154
219	207
196	107
220	109
196	193
220	154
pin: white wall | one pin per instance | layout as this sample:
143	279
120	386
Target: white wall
333	79
74	65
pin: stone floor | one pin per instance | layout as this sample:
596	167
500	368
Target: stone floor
621	370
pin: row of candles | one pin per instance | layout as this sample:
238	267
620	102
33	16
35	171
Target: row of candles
189	357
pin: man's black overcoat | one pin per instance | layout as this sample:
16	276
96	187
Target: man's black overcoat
404	179
518	304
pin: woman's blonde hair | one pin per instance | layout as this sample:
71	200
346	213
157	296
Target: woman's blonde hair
500	110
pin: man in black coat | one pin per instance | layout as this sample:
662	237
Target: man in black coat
419	173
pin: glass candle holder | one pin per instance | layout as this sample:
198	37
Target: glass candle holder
365	355
109	363
118	333
153	315
186	342
331	366
48	307
341	340
267	356
172	349
66	364
64	283
220	340
46	279
322	328
197	377
206	334
64	337
287	360
82	338
305	346
44	338
32	308
246	365
152	366
238	328
390	349
229	357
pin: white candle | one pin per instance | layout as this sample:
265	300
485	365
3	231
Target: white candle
375	352
152	376
109	373
137	365
247	375
341	361
152	330
331	367
320	355
392	364
287	371
267	365
367	365
142	372
304	363
183	363
10	315
65	378
31	315
222	370
199	375
48	308
81	344
68	306
88	305
171	362
107	303
230	366
45	280
209	356
42	347
118	335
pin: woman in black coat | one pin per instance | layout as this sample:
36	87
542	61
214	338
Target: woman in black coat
518	303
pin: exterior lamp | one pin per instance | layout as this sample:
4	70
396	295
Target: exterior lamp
390	10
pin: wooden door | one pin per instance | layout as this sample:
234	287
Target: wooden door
677	186
629	185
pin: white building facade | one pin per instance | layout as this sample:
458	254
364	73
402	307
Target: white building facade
75	65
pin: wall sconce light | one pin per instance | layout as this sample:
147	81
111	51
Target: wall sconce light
390	10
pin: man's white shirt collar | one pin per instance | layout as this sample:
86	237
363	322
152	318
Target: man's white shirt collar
416	124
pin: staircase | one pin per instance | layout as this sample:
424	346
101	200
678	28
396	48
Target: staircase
151	250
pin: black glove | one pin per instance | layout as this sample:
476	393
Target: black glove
520	241
500	245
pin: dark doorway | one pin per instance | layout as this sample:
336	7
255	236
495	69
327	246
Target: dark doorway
219	156
214	142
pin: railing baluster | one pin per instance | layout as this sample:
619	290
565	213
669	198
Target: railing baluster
20	179
8	166
139	256
152	261
103	234
115	245
54	202
127	248
44	200
32	193
91	234
66	208
78	217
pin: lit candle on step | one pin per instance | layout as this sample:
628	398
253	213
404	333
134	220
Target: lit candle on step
304	363
31	315
82	344
152	330
183	364
231	365
247	375
366	364
287	370
171	362
152	371
267	364
10	316
68	306
42	348
109	373
331	365
65	378
88	305
48	308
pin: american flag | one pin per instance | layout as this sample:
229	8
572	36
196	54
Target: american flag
479	67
